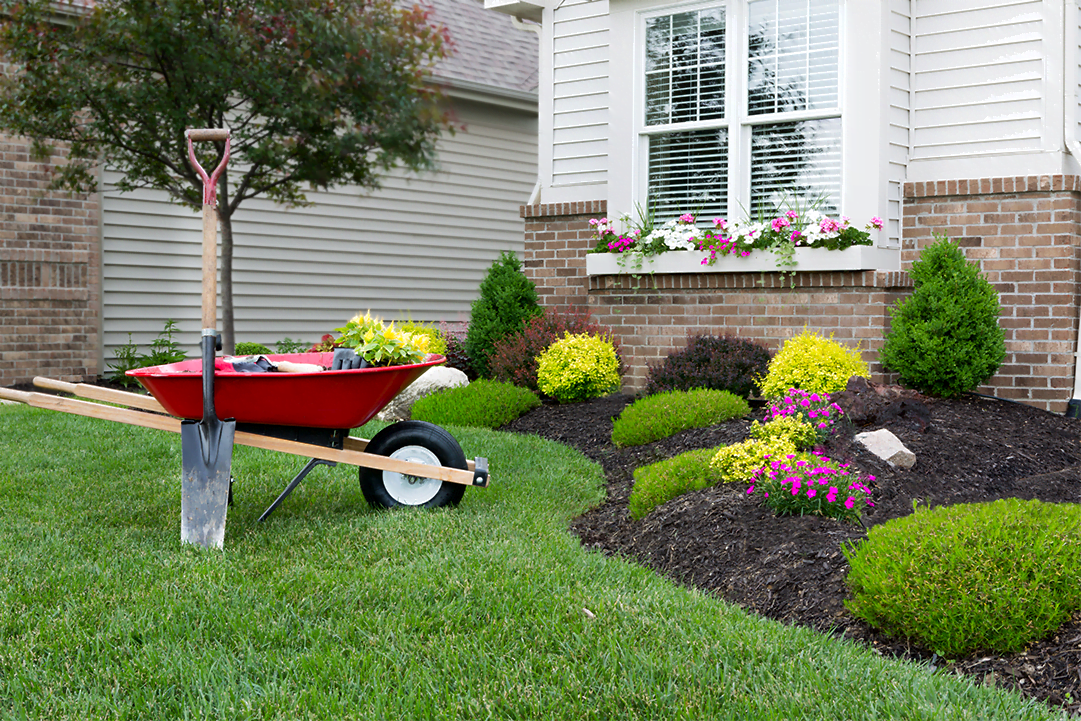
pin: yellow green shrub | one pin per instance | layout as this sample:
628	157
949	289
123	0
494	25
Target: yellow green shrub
814	364
802	435
578	367
739	461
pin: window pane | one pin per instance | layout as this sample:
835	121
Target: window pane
793	55
688	172
685	67
796	161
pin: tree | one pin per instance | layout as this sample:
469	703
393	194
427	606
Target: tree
316	93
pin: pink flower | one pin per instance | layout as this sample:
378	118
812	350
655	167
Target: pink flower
876	222
792	215
720	223
811	492
779	223
823	424
750	490
686	218
767	495
850	502
796	235
828	226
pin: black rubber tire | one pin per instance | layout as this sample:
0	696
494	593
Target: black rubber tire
413	433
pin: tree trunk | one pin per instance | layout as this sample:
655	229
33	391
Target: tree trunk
228	331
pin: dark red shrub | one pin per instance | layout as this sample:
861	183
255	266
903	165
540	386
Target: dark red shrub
514	357
456	355
723	363
326	343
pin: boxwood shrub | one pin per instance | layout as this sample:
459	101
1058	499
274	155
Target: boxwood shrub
482	403
654	417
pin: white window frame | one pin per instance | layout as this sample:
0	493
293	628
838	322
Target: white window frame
738	121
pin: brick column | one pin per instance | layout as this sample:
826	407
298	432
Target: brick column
1024	232
557	237
50	272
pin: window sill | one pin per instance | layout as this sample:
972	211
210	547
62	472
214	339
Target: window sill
858	257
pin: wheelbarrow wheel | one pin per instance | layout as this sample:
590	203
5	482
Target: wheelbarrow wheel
420	442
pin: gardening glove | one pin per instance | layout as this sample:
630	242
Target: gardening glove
345	359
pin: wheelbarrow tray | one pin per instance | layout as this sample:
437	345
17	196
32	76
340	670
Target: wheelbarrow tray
327	399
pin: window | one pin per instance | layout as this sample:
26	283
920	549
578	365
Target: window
720	140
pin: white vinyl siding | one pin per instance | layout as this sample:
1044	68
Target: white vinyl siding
416	249
898	135
978	76
580	93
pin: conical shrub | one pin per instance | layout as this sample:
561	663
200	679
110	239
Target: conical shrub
945	338
507	300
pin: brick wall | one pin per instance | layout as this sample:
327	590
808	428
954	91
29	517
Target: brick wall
50	272
1024	232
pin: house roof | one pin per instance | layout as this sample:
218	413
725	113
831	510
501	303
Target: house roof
488	49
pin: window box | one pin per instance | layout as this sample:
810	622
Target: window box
858	257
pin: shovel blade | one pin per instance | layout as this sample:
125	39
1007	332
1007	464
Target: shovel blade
206	449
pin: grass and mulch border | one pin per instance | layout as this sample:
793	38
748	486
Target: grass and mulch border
330	609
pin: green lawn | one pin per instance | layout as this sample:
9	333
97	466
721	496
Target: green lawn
330	610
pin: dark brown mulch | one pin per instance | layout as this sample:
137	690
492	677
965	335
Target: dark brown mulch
970	449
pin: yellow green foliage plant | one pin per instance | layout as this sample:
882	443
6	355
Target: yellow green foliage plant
578	367
739	461
814	364
382	345
802	435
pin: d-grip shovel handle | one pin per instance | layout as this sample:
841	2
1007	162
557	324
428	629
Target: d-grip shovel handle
210	220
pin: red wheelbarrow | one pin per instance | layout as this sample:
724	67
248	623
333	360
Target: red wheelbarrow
409	463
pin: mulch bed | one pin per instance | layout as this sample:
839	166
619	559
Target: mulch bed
969	449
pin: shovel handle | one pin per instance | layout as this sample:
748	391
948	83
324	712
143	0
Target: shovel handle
210	219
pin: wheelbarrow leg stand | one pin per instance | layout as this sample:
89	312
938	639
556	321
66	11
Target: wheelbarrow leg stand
296	482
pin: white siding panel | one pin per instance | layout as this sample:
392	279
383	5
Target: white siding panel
899	115
580	77
977	77
417	248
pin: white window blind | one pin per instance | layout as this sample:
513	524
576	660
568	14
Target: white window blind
796	162
688	172
685	67
792	48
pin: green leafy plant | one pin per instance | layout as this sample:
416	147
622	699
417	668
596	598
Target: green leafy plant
507	300
945	338
739	461
288	345
958	579
382	345
723	363
577	368
814	364
127	358
803	484
482	403
251	349
514	357
660	482
665	414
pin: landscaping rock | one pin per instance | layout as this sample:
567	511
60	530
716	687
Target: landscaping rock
888	447
435	379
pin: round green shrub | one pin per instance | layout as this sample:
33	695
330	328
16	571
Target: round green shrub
982	576
577	368
507	300
482	403
814	364
251	349
723	363
660	482
945	339
666	414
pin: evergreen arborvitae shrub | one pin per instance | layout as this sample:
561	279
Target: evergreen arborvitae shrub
507	300
722	363
945	338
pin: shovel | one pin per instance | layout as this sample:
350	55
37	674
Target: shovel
206	446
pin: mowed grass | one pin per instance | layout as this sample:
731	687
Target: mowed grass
330	610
